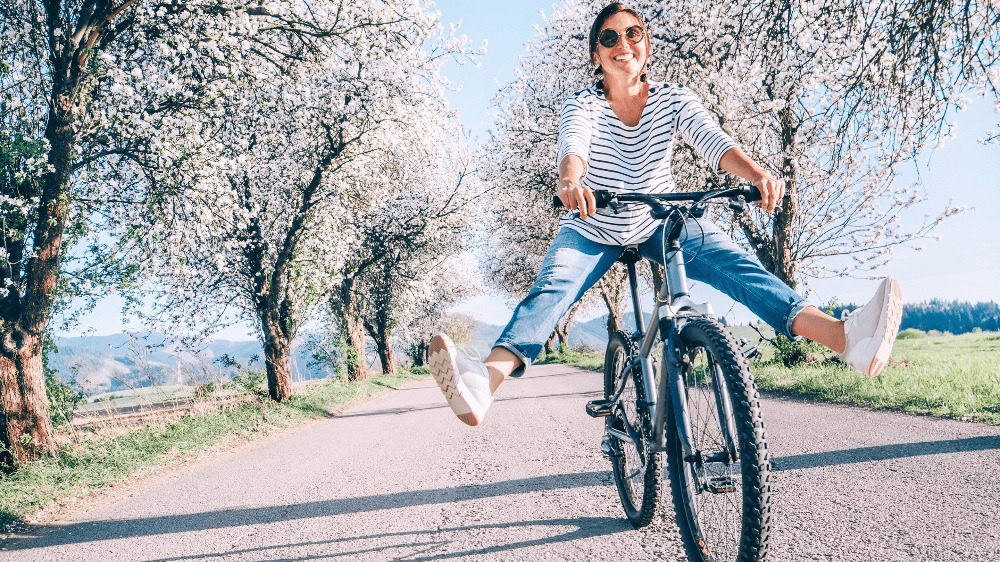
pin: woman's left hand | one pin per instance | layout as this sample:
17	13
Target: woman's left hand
771	190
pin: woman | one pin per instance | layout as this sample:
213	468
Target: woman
619	134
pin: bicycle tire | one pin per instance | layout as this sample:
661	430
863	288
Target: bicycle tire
723	508
636	470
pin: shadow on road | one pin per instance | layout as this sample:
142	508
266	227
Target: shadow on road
444	405
425	541
885	452
106	530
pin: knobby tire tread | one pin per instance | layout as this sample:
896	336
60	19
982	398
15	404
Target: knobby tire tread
641	515
755	459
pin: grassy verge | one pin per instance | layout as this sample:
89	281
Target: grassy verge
590	361
948	376
942	375
88	464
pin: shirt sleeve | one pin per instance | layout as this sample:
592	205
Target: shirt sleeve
702	131
576	128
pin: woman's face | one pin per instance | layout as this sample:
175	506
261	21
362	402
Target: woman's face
625	59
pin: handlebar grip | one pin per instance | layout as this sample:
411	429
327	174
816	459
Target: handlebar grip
601	197
753	194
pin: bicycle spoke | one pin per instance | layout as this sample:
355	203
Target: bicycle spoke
636	471
712	485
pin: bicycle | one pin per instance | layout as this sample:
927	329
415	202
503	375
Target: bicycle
698	406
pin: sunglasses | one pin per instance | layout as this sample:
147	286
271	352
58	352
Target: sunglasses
609	37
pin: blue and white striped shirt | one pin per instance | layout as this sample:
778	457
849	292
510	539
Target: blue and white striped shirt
634	159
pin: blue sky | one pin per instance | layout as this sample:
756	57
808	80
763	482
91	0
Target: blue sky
964	264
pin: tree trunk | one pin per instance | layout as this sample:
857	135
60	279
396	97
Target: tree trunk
24	407
277	351
783	264
562	327
380	330
550	343
354	333
385	356
418	353
613	288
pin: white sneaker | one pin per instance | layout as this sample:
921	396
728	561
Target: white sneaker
465	381
871	330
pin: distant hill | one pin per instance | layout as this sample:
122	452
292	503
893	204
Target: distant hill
109	363
98	364
592	335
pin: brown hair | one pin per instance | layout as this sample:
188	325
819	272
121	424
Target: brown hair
595	31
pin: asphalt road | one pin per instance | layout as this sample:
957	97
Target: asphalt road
401	478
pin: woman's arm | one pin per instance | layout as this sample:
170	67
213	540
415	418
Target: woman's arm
736	162
571	193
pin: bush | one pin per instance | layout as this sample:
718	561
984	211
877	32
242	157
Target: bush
796	352
252	383
911	334
204	390
63	399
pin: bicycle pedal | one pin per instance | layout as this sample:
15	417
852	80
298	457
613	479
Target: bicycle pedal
599	408
720	485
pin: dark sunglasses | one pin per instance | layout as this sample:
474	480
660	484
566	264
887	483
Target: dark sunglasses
609	37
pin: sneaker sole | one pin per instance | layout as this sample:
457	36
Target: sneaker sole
440	358
890	327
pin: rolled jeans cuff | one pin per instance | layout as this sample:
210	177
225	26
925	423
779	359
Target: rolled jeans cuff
513	348
794	311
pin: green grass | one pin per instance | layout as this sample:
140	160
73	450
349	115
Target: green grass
590	361
90	464
136	397
944	375
948	376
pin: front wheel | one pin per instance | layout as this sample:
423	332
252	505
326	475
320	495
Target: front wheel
629	432
721	490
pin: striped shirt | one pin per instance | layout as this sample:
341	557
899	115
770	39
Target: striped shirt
634	159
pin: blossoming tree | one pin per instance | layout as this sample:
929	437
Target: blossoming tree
260	224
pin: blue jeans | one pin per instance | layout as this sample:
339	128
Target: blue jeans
574	264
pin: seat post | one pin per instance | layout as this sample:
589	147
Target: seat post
630	257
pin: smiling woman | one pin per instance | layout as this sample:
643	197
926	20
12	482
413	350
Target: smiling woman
619	135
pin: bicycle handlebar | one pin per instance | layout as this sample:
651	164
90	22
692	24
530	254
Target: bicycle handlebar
605	197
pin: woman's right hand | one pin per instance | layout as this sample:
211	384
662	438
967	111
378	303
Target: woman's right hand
577	197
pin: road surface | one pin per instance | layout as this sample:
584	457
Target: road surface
401	478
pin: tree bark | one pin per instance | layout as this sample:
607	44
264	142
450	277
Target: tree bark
562	327
784	265
277	351
550	343
354	332
24	407
385	356
612	294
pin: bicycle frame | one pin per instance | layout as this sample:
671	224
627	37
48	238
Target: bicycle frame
672	306
704	384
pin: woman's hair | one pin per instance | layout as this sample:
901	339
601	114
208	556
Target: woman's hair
595	31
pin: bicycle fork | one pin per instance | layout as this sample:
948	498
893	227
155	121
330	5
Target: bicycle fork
672	384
